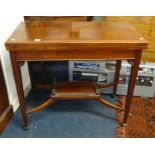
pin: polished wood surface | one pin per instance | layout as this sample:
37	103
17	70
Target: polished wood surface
57	18
50	18
86	54
42	106
107	103
75	35
43	41
74	88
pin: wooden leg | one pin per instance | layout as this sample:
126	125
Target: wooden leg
117	72
105	102
19	86
132	82
42	106
43	71
32	77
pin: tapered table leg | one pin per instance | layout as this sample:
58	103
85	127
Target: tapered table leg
132	82
117	73
43	71
19	86
32	78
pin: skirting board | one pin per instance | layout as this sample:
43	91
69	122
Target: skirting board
5	118
9	112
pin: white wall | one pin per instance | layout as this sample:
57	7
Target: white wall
8	24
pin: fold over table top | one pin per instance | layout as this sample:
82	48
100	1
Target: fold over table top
75	36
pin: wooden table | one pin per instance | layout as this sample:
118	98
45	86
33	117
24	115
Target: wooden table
44	41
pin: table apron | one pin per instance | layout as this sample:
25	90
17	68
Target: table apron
73	55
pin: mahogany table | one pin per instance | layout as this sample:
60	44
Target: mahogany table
44	41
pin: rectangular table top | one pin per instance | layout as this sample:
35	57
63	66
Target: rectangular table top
57	35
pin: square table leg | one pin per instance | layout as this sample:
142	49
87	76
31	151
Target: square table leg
32	78
19	86
132	82
117	74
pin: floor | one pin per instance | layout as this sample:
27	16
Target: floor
64	119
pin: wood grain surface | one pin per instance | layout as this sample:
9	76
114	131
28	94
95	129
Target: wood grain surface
78	35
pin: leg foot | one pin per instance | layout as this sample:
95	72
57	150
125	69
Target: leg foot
124	124
26	127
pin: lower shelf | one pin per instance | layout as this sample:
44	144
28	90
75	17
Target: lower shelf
75	91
